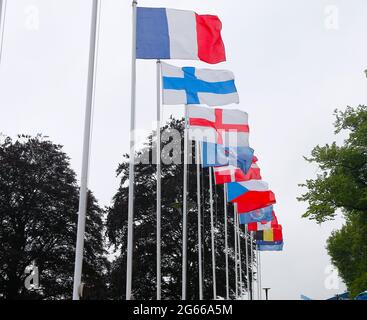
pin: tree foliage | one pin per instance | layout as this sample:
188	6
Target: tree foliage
144	258
38	216
342	185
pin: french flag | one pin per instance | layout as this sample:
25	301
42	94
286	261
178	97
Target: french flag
178	34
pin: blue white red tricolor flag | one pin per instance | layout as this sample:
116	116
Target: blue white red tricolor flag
178	34
189	85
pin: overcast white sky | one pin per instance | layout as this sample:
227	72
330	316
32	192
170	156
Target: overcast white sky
295	62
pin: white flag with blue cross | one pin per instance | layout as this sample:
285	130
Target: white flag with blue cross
189	85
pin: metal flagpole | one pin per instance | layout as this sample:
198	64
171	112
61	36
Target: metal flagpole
260	277
212	232
199	219
235	250
239	251
83	195
247	263
130	221
252	266
226	237
2	25
159	277
184	212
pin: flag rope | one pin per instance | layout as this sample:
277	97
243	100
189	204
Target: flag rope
130	221
83	193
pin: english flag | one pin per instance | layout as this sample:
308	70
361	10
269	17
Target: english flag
178	34
189	85
220	126
250	195
227	174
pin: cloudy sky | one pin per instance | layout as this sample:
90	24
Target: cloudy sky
294	61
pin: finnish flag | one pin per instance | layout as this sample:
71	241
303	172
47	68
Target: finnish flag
189	85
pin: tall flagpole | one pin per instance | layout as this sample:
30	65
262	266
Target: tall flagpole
252	266
212	232
83	195
235	250
199	219
247	263
130	221
239	251
184	211
226	237
260	277
159	277
2	25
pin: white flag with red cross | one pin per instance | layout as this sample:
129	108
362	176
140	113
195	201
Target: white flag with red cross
221	126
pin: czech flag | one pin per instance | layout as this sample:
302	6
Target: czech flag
250	195
178	34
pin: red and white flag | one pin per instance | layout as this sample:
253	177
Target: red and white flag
227	174
221	126
264	225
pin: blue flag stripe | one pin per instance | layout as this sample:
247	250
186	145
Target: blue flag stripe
152	35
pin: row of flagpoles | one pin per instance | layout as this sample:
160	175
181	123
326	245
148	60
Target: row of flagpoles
210	128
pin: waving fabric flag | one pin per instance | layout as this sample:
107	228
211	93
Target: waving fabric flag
178	34
189	85
250	195
227	174
216	155
221	126
263	225
259	215
274	234
273	246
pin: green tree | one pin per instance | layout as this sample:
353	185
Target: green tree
144	259
38	216
342	186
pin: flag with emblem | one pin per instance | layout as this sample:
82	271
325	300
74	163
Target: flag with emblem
189	85
259	215
263	225
216	155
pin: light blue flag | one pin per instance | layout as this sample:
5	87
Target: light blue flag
264	214
217	155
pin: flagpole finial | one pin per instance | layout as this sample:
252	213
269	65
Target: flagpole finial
135	3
